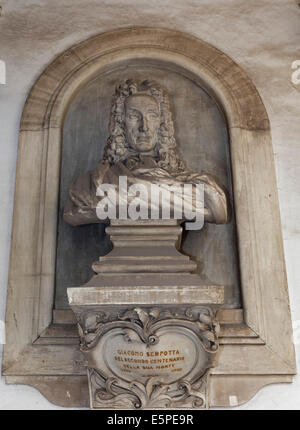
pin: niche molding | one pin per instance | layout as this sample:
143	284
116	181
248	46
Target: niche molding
42	348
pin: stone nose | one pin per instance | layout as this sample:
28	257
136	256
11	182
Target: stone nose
143	124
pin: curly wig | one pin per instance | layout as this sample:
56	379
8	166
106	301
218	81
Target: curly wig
117	147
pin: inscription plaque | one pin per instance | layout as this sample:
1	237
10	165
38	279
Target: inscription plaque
149	357
166	360
153	361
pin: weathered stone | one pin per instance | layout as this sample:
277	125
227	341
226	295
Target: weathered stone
268	352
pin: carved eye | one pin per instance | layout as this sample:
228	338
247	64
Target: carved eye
153	115
134	116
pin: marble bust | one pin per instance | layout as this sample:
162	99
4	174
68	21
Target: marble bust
142	147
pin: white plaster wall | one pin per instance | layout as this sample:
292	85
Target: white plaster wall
262	36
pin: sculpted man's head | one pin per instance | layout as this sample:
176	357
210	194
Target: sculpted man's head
141	123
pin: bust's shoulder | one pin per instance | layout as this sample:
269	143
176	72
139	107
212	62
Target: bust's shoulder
97	174
101	166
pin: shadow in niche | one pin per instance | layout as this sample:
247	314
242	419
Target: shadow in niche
200	269
84	245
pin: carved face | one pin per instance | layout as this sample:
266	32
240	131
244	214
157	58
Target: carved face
142	121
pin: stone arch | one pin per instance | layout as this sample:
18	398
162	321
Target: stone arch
222	76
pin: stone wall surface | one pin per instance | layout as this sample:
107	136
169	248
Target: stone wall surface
262	36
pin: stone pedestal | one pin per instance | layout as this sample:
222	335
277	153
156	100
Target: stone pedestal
149	246
147	325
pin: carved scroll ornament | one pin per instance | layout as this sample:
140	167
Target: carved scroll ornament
145	358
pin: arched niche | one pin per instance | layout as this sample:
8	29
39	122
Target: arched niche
42	348
202	140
